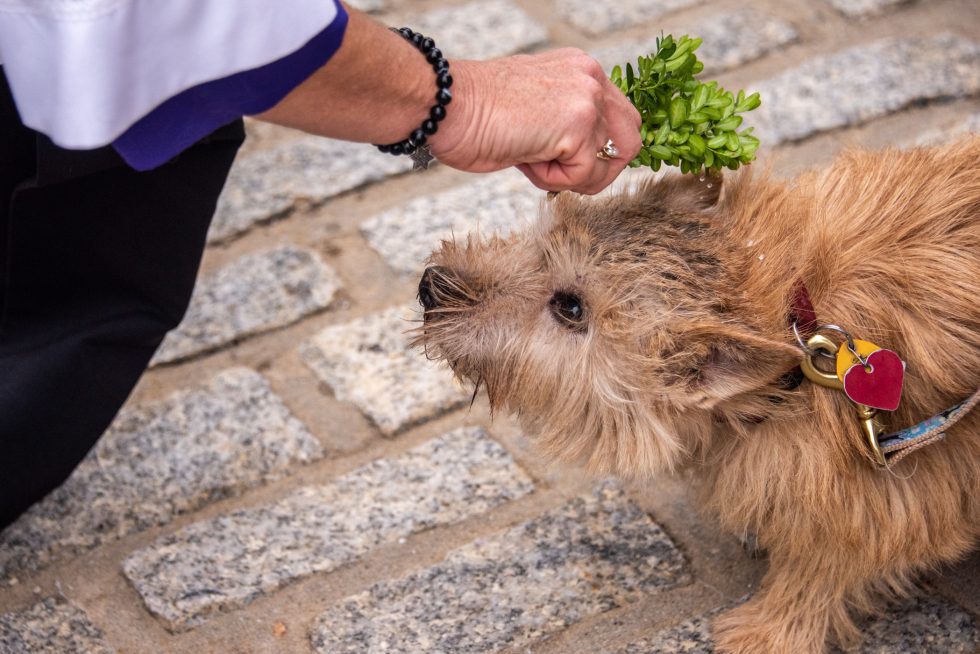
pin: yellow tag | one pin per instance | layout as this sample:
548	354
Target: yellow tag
846	359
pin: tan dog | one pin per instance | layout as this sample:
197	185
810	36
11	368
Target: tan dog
649	332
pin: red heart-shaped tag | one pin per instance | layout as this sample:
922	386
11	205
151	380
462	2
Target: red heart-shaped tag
881	386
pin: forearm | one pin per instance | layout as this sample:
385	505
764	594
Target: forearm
548	113
377	88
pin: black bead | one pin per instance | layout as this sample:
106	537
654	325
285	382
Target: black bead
417	39
384	148
430	127
434	55
406	32
444	80
395	148
427	45
440	66
437	113
408	147
444	96
417	137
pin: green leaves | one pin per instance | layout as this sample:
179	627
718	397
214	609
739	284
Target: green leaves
686	123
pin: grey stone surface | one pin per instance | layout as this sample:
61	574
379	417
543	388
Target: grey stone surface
494	204
159	460
478	30
864	8
370	363
729	39
690	637
51	627
514	588
925	625
270	183
595	17
228	561
864	82
259	292
955	130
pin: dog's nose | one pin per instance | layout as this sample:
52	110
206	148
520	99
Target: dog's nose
434	286
426	297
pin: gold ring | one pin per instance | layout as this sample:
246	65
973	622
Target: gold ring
608	151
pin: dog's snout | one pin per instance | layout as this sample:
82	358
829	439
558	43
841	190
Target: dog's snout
438	285
426	297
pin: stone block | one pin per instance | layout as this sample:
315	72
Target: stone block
514	588
51	627
159	460
259	292
730	39
865	82
370	363
230	560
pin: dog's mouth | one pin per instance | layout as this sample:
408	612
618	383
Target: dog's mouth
447	303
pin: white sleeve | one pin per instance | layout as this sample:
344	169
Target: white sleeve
83	71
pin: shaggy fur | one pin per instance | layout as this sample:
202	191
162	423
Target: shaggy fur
685	294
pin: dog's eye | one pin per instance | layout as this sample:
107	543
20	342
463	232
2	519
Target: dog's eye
567	309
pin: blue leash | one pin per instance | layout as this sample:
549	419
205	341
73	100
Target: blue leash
897	445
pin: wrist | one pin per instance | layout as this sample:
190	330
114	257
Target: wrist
417	139
462	115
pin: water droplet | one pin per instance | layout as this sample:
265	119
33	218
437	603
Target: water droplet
709	185
701	178
750	243
762	257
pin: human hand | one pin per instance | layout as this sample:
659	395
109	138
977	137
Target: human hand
547	114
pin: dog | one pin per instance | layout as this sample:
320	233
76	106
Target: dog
651	331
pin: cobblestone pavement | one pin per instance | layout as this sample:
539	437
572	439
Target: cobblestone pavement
291	477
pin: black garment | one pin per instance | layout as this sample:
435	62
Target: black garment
97	263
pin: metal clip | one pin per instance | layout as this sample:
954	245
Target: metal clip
867	416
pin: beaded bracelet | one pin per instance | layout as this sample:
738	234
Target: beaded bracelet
415	145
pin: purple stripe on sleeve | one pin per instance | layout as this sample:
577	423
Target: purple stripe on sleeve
182	120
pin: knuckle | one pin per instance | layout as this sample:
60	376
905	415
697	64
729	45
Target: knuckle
592	87
583	114
594	69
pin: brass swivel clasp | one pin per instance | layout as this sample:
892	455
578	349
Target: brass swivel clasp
820	345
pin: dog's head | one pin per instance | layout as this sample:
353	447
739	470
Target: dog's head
612	328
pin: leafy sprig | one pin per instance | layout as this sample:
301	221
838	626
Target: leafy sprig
686	123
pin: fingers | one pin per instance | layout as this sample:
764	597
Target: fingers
548	114
610	117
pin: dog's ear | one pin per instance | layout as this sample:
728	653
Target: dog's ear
731	360
687	193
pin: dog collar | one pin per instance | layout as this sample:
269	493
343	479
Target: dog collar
885	449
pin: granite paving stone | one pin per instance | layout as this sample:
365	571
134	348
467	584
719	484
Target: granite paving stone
690	637
270	183
478	30
370	363
259	292
595	17
228	561
866	8
953	131
161	459
925	625
494	204
730	38
51	627
864	82
513	588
